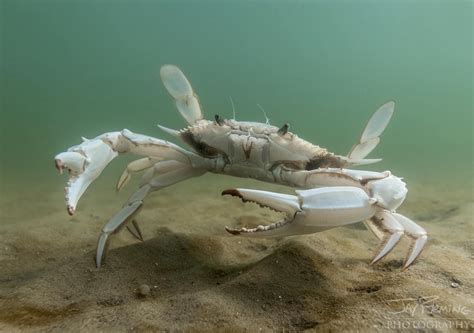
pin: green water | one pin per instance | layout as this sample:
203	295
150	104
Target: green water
81	68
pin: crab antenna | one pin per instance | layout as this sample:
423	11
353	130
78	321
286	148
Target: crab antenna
233	107
267	120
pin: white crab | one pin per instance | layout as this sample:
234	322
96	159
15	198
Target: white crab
329	195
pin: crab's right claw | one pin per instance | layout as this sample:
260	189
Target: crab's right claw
85	163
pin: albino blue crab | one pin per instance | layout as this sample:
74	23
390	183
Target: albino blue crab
329	194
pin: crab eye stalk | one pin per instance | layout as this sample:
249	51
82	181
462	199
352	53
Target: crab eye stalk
284	129
219	120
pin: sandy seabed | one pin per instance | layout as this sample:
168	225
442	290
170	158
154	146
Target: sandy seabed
203	279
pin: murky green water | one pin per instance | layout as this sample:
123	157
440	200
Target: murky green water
80	68
72	68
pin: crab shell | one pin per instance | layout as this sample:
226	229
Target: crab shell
255	149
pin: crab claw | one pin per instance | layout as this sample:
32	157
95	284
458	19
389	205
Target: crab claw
280	202
319	209
311	210
85	163
324	208
283	203
74	162
59	165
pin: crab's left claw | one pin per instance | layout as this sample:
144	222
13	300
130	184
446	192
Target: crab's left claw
85	163
280	202
311	210
284	203
319	209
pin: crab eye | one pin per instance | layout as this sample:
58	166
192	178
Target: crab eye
284	129
219	120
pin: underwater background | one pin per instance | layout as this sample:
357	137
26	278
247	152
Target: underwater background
72	68
81	68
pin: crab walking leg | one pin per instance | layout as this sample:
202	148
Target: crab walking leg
163	174
135	231
418	236
130	209
391	231
132	167
87	160
308	179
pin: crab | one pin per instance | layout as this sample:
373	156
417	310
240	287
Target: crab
328	193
